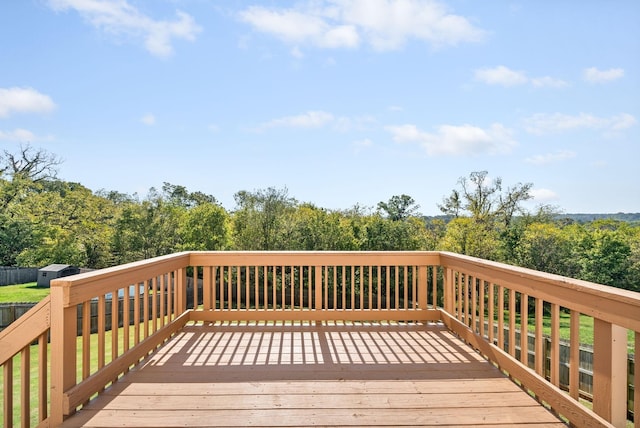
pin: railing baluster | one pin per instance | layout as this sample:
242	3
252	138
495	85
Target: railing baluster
145	312
136	315
238	299
114	325
474	304
512	322
501	317
207	288
8	393
162	295
101	330
283	288
405	286
460	283
247	290
256	284
43	376
574	355
196	288
352	269
491	315
540	356
555	344
126	331
25	381
466	294
481	297
524	329
86	339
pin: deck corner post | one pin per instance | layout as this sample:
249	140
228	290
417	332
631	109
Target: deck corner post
63	352
610	372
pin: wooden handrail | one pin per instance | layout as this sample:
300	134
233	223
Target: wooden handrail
16	339
614	305
479	291
469	293
25	330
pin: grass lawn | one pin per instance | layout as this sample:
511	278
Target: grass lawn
23	293
586	328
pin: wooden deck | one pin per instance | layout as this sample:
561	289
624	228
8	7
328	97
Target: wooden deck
314	375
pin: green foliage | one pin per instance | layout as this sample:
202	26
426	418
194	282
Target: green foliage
546	248
44	220
399	208
261	218
205	227
467	236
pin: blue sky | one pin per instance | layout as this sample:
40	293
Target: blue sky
343	102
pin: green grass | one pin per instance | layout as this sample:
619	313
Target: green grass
586	328
23	293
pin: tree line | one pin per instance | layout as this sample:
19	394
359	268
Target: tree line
46	220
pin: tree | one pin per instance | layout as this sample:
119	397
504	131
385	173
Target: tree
312	228
604	254
546	248
399	208
69	224
32	164
260	219
205	227
484	201
147	229
466	236
180	196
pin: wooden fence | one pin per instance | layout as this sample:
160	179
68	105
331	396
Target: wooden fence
17	275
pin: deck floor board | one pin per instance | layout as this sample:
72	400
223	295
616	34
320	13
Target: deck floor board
314	375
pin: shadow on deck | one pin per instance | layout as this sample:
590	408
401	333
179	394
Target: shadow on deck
308	374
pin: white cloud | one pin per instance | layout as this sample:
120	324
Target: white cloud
382	24
501	75
507	77
319	119
310	119
118	17
548	82
457	140
542	123
593	75
544	195
558	156
24	100
148	119
22	136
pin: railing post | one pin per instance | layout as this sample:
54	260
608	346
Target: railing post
610	372
448	291
423	287
63	352
181	291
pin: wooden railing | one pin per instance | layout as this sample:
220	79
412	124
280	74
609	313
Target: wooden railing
16	351
151	300
478	290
